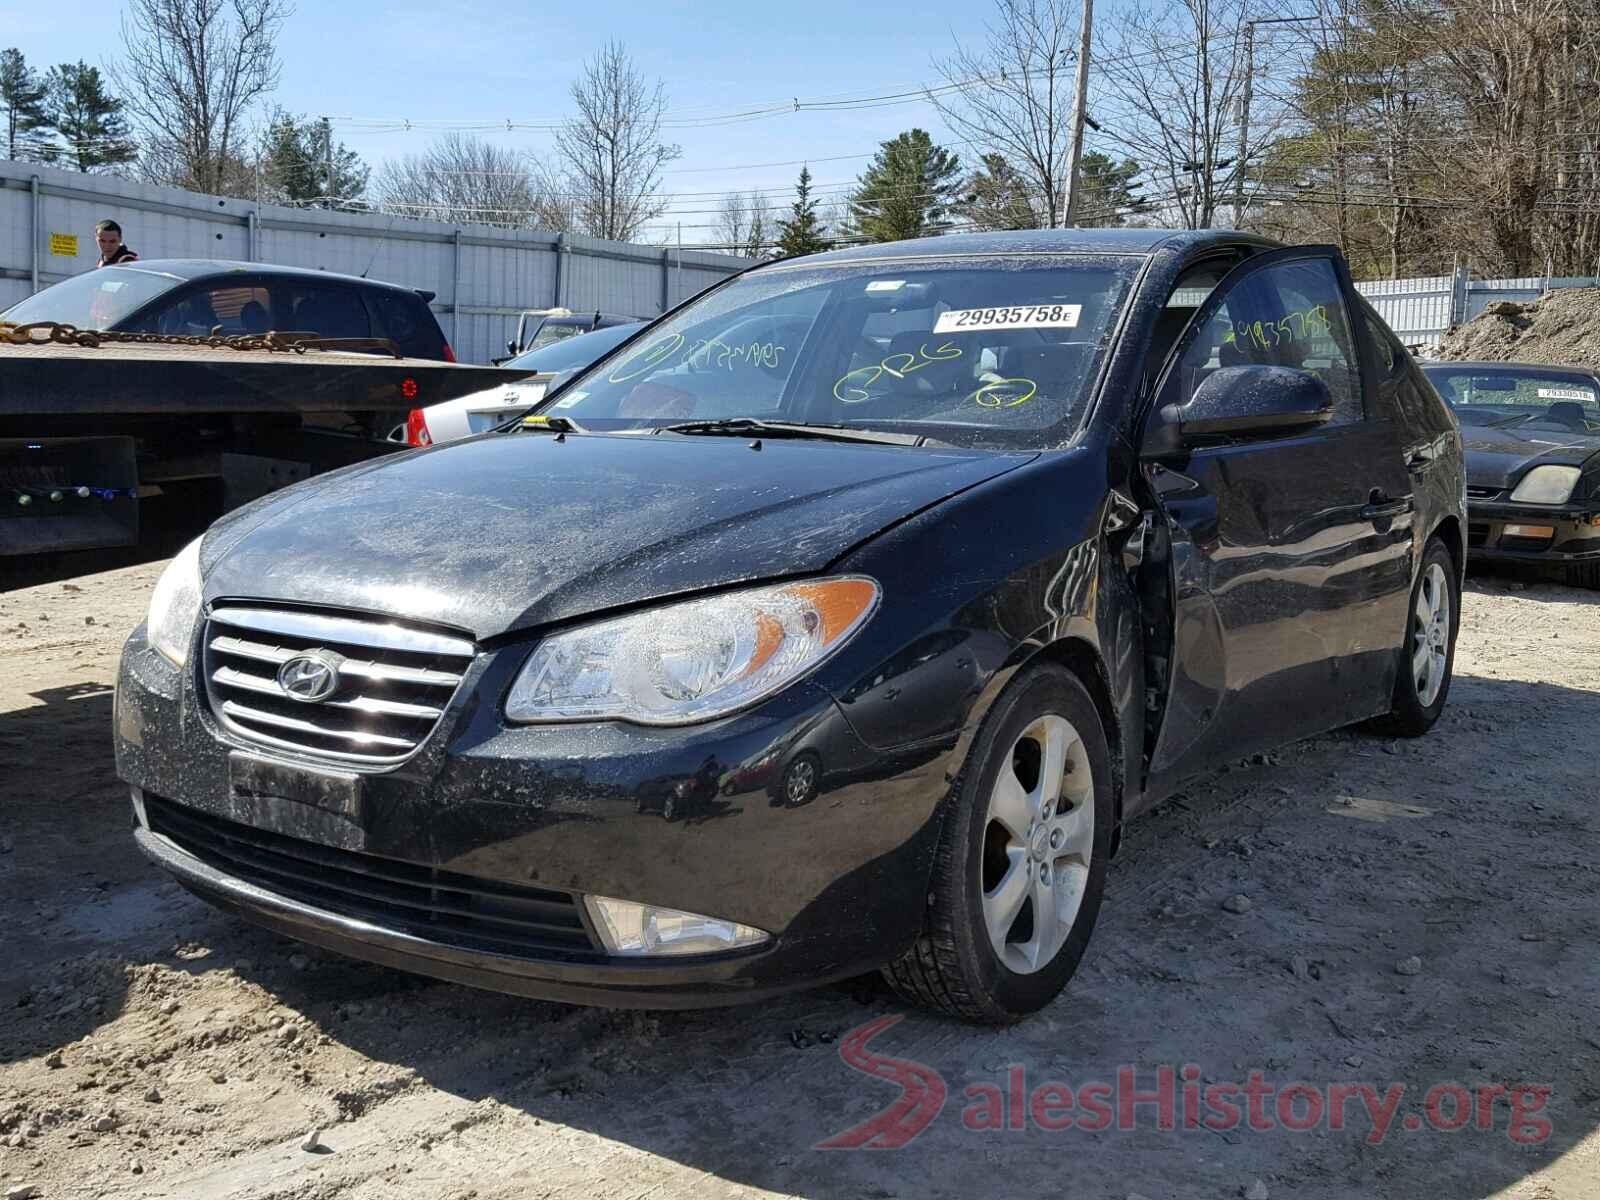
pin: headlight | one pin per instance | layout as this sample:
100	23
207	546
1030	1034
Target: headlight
175	604
691	661
1547	485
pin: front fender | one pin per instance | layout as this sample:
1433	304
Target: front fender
973	596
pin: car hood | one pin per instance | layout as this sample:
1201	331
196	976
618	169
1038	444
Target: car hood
1496	456
510	531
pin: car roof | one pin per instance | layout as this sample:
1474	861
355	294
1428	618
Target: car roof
1489	366
1043	241
190	269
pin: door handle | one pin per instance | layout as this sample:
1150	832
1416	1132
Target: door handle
1381	507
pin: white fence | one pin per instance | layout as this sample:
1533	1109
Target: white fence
1421	311
481	277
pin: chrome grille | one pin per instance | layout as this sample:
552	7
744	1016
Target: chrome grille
397	681
1483	493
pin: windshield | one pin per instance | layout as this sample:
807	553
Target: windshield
574	352
97	299
553	331
994	352
1515	395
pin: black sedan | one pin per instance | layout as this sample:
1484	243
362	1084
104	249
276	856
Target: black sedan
1532	438
836	621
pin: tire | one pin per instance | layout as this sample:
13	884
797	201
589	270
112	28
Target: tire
984	861
1583	575
800	781
1420	691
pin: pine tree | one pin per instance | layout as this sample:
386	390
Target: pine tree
907	191
22	96
88	118
802	232
295	163
997	197
1106	191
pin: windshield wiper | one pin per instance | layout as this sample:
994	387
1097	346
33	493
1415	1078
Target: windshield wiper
753	427
1504	421
524	420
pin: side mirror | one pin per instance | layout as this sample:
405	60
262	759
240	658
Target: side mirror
1240	402
511	348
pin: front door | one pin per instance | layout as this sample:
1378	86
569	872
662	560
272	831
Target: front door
1290	554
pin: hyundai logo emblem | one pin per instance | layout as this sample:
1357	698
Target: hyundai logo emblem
311	677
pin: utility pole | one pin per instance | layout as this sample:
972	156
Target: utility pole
1079	111
1242	157
1244	123
327	132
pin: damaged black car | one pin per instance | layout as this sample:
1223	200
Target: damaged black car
1532	440
836	622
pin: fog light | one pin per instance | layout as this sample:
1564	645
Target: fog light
644	929
1530	531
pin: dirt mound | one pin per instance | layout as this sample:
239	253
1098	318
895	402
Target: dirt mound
1562	327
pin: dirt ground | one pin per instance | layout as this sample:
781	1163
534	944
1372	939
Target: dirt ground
1562	327
150	1046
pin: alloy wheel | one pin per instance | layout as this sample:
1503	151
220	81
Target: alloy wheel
1038	841
1430	634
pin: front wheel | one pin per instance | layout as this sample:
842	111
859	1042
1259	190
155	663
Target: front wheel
1021	863
1427	657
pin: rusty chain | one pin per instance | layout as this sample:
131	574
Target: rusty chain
43	333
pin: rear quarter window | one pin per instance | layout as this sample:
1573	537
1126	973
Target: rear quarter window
407	321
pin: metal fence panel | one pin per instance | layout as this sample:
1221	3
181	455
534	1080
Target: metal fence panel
498	272
1418	310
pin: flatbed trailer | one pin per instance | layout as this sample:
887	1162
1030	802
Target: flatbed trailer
88	431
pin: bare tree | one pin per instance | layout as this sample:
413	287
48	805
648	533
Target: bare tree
462	180
742	224
192	71
611	149
1013	96
1174	78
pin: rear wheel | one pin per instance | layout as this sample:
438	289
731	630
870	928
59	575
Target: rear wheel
1427	656
1022	858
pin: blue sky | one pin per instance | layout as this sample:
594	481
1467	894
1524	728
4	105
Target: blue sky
496	61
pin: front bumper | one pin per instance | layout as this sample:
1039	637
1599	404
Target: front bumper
694	819
1575	536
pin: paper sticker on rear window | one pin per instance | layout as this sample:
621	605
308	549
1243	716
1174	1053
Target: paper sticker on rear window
886	285
1017	316
1584	395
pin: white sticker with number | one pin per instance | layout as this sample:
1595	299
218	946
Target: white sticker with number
1582	394
1017	316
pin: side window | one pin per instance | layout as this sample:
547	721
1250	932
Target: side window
1287	314
1383	347
195	312
1403	392
333	312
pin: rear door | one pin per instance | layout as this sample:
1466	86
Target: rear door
1291	554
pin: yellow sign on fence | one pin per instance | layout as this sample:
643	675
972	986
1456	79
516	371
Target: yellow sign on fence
64	244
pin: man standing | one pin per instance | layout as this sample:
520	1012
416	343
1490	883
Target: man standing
112	250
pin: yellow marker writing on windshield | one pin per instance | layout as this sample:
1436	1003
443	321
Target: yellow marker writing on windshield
1006	393
652	355
855	383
